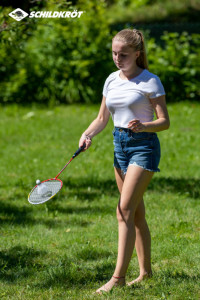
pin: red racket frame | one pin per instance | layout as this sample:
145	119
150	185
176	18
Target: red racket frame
56	178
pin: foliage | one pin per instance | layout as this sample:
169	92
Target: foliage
64	60
13	74
147	11
177	64
52	61
67	248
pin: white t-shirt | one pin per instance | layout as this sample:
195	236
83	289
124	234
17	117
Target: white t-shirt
129	99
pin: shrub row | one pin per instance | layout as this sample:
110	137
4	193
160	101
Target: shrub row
176	62
52	61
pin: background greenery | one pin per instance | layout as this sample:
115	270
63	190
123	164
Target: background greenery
67	248
52	61
150	11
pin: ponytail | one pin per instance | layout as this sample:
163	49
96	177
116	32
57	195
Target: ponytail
142	61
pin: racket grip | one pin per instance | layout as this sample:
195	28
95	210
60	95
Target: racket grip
79	151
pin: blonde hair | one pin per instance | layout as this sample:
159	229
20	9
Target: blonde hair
135	39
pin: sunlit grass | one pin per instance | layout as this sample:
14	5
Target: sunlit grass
67	248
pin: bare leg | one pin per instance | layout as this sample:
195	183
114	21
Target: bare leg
142	244
143	238
134	186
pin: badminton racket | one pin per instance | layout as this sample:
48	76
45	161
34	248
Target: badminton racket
47	189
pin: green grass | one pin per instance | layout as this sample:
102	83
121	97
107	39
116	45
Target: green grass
66	248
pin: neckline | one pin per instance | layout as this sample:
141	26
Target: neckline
132	79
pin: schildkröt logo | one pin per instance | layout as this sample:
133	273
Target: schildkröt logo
18	14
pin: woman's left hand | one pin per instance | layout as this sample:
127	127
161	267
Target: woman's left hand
136	126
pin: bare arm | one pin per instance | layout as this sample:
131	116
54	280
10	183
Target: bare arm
96	126
162	122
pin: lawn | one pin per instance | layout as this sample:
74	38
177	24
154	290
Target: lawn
66	248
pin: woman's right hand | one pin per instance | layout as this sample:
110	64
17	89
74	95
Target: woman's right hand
85	139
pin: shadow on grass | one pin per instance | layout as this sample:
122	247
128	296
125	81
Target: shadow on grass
84	210
66	275
180	275
182	185
88	189
18	262
12	211
14	215
90	253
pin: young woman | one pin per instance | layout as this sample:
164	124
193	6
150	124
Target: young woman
131	95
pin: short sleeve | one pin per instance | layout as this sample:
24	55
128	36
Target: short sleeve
109	79
157	88
105	87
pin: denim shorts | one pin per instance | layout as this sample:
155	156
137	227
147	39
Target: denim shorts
140	149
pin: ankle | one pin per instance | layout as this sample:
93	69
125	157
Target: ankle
118	277
118	280
146	274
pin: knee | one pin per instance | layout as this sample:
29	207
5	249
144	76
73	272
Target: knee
124	215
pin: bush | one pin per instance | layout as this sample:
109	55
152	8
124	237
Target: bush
63	60
53	61
151	11
13	38
177	64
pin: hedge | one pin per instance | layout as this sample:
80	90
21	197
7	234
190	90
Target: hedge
52	61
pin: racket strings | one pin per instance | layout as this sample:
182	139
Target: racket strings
44	191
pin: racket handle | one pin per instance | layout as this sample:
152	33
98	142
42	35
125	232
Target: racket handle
79	151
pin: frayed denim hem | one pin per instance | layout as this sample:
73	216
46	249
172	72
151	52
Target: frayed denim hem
135	164
151	170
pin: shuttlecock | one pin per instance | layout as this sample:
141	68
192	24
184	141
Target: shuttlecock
42	189
38	181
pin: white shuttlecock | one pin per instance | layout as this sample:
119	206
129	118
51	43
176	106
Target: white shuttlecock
42	189
38	181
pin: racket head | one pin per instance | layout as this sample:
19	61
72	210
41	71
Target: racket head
45	191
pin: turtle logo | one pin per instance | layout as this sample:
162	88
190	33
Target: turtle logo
18	14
